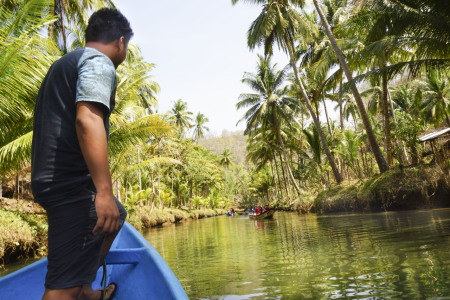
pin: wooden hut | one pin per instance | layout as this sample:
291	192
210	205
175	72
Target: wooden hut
440	144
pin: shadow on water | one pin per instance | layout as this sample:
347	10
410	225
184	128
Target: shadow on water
381	255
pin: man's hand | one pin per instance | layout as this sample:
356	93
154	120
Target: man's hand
107	213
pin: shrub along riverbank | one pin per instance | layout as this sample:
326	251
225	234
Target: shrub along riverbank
23	226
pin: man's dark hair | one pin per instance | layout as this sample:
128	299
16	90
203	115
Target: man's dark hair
107	25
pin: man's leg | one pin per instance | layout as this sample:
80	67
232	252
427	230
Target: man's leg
84	292
109	239
106	246
63	294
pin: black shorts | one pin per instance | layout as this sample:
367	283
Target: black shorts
73	250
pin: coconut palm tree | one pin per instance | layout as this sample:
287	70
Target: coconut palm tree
382	164
420	26
280	23
181	116
270	106
226	161
437	95
24	59
260	150
225	158
199	127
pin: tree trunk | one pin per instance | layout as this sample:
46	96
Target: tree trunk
226	175
404	152
274	180
446	116
278	174
126	191
382	165
118	190
363	162
387	124
280	139
328	120
153	196
139	175
341	111
336	173
285	181
17	189
159	186
63	28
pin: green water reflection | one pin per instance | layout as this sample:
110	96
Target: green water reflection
383	255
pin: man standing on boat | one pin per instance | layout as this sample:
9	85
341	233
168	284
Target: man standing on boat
70	173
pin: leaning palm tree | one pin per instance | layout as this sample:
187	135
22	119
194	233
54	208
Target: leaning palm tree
270	105
382	164
280	23
199	127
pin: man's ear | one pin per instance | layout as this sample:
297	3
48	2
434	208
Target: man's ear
121	42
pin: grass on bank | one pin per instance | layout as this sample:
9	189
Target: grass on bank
145	217
21	235
399	188
24	234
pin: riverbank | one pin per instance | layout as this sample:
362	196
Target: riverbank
23	225
419	187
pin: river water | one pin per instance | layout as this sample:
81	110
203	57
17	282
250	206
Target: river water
380	255
337	256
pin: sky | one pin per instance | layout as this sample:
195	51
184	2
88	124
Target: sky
200	51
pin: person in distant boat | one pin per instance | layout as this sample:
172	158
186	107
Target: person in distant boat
267	207
258	210
70	176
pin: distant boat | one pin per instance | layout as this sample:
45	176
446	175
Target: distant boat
230	213
242	212
268	214
137	268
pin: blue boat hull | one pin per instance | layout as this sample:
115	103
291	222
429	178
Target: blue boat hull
137	268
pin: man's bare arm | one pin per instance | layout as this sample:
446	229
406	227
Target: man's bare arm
92	138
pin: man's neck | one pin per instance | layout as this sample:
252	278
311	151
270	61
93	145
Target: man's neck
106	49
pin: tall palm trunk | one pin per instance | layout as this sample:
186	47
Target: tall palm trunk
17	187
139	177
118	190
341	112
280	139
126	191
404	152
285	180
274	179
382	165
226	175
278	174
328	119
63	28
336	173
387	124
